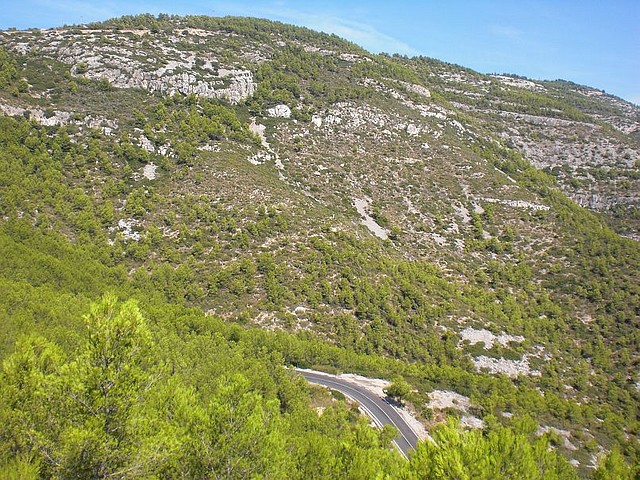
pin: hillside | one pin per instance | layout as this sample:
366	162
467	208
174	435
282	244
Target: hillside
295	200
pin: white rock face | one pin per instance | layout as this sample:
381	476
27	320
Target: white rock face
279	111
368	221
520	83
126	228
59	118
56	118
565	434
516	203
11	111
242	86
350	57
317	120
474	336
260	158
332	120
146	144
510	368
419	89
120	62
441	399
469	421
413	129
259	129
149	171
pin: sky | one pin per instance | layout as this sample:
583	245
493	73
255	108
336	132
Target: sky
591	42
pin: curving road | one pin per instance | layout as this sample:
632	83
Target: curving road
381	412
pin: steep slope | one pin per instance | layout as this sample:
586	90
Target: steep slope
278	177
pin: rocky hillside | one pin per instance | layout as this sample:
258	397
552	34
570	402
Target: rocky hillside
586	139
393	207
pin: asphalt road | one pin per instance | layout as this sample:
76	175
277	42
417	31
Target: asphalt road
374	406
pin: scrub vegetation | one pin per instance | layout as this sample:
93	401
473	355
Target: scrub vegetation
178	228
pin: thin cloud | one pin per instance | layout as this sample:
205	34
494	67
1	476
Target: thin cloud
364	35
635	99
360	33
79	8
506	31
74	11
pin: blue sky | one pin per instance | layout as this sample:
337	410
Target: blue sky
592	42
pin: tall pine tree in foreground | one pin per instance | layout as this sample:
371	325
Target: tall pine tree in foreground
128	407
